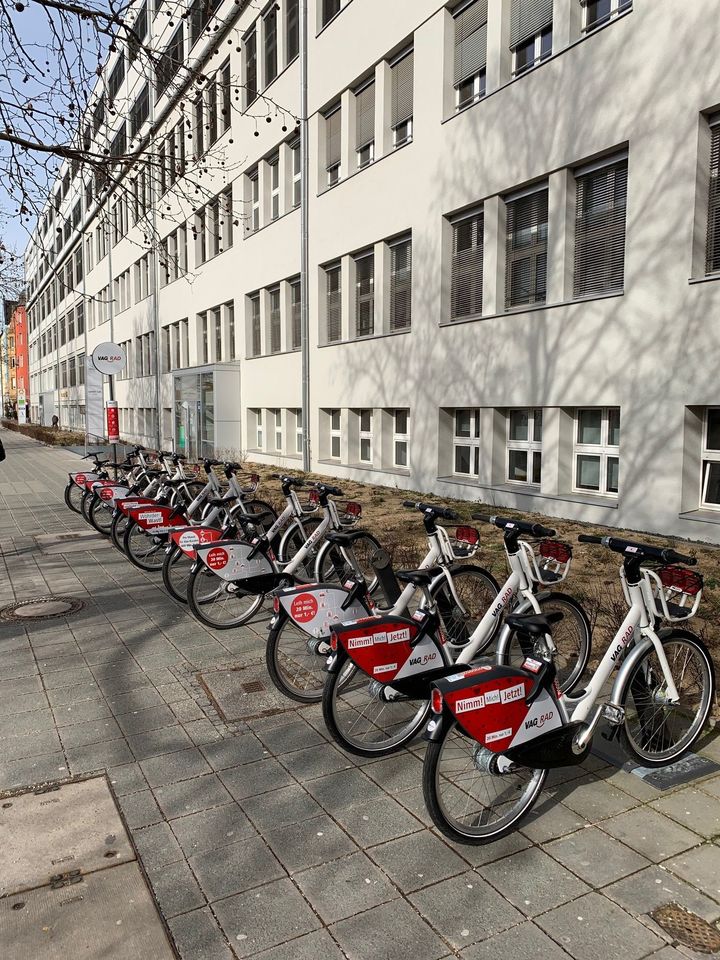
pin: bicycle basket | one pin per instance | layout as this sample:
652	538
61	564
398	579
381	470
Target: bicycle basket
465	542
551	562
675	592
351	514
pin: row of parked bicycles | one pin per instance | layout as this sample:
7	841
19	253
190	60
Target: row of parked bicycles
498	677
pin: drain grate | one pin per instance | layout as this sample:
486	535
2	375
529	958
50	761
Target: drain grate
42	608
687	928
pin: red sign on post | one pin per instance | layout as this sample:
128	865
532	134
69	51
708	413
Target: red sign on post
113	423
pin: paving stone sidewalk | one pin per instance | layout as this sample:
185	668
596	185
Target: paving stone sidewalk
262	839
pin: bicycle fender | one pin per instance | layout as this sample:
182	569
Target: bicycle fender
336	660
630	661
437	726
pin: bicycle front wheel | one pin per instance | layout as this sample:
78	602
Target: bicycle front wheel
362	720
571	636
476	589
296	662
472	795
294	538
656	730
117	530
218	603
73	496
85	502
101	515
335	565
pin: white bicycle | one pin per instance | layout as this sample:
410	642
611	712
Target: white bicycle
497	730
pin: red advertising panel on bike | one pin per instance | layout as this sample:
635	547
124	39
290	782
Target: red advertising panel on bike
190	537
388	649
156	517
130	503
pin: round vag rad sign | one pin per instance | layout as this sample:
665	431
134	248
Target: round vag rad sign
304	608
217	558
106	493
188	540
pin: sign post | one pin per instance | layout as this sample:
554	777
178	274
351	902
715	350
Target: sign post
109	358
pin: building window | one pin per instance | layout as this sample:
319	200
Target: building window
524	446
139	112
225	81
466	443
333	308
295	315
365	125
270	44
712	259
600	229
401	284
332	146
597	454
170	62
365	294
330	8
292	29
251	77
254	183
275	325
710	496
205	344
274	166
255	326
117	75
467	267
200	237
530	33
365	422
230	313
470	53
226	218
217	324
296	173
335	433
401	117
401	431
526	259
598	12
298	430
276	416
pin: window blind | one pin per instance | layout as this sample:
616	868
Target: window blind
529	17
332	133
400	285
365	296
256	330
467	267
470	40
292	30
712	263
365	116
274	321
526	258
600	230
333	304
295	313
251	77
270	36
402	89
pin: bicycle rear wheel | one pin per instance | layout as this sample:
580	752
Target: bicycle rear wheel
476	589
334	565
218	603
117	530
101	515
176	573
655	730
295	666
472	795
85	505
362	721
142	549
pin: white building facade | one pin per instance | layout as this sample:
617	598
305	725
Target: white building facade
514	252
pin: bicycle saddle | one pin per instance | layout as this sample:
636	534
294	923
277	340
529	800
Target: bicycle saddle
420	578
344	539
533	624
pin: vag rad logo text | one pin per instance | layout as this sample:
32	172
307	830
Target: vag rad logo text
500	605
539	722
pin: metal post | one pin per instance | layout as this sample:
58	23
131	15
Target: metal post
305	235
111	382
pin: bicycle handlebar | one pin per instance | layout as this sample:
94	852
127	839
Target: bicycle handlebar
502	523
630	547
444	513
327	489
288	481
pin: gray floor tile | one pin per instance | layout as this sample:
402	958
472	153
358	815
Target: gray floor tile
392	931
212	829
595	857
314	762
81	712
692	808
465	909
347	788
26	773
655	886
594	799
91	731
173	767
310	947
524	942
140	721
140	809
417	860
154	743
235	867
341	888
400	772
532	881
127	778
700	867
157	846
176	889
255	778
593	928
377	821
308	842
550	819
280	808
190	796
99	756
650	833
233	751
197	936
252	921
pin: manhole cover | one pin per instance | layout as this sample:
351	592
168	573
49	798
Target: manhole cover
42	608
687	928
244	693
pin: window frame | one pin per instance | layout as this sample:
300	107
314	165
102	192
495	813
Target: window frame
605	451
538	54
617	8
365	434
708	456
471	442
401	438
367	297
531	447
335	432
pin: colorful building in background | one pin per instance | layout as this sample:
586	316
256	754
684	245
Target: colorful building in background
14	362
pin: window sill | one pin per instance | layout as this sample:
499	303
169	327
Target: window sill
533	492
537	66
270	223
702	514
371	336
708	279
269	356
533	308
332	19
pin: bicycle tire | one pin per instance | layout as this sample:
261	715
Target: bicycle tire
117	530
363	724
73	496
260	506
141	550
442	776
573	642
476	588
176	573
100	515
214	605
294	667
332	566
85	505
651	728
